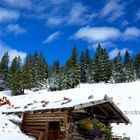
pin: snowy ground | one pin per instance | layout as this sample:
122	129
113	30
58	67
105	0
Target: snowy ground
9	130
125	95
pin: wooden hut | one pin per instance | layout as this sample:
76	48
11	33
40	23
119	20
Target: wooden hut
62	123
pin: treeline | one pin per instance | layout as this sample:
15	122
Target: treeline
35	73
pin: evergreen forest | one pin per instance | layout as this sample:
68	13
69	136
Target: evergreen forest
35	73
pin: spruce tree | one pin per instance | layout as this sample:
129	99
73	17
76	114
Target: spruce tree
4	72
106	67
97	76
15	78
128	67
43	72
71	73
54	79
137	65
27	73
66	80
75	68
118	69
102	65
83	68
91	72
35	71
88	62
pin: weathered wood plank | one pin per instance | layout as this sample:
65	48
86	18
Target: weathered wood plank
33	127
33	124
44	114
42	118
41	136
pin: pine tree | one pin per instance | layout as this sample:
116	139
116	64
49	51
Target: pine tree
43	72
75	69
102	64
88	63
27	73
97	76
128	67
91	72
4	72
15	78
35	71
54	80
83	68
66	79
118	69
137	65
106	67
71	73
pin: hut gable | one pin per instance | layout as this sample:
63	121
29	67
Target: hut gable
60	123
56	116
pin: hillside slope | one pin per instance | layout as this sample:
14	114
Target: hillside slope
125	95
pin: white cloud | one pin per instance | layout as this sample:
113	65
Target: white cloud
97	34
77	14
106	34
16	29
114	52
12	52
55	21
112	10
51	37
131	33
8	15
138	14
18	3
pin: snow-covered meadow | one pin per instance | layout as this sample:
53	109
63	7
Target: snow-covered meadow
125	95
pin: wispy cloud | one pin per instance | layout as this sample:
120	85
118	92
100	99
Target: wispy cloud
97	34
16	29
138	14
51	37
54	21
77	14
18	3
70	13
112	10
12	52
131	33
7	15
115	52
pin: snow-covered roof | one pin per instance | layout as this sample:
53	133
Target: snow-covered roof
50	100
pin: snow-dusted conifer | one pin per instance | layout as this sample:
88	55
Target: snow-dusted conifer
54	79
15	78
137	65
128	68
35	71
118	69
4	71
83	68
27	73
43	71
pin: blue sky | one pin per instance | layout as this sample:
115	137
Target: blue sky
55	26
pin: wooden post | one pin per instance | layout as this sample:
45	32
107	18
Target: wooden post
41	135
46	131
